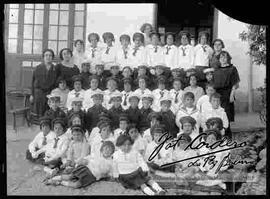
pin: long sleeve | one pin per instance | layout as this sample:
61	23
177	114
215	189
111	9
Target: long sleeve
141	162
63	149
115	168
70	152
34	144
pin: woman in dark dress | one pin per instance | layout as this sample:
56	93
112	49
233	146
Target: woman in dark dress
218	45
226	80
66	69
43	81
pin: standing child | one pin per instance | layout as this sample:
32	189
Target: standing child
188	109
131	169
126	92
79	55
177	95
139	143
85	74
35	152
116	110
147	101
133	112
143	88
196	90
203	103
154	51
123	53
54	111
170	51
159	93
108	54
76	92
89	170
111	90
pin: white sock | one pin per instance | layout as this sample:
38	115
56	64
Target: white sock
157	187
148	191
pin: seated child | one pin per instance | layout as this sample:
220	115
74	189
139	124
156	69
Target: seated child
112	89
102	75
142	82
123	126
139	143
186	79
115	73
76	104
61	91
88	101
116	110
160	70
133	112
54	111
130	168
85	74
92	114
159	93
35	152
127	83
142	71
188	109
89	170
163	156
76	92
214	123
215	111
176	73
188	127
196	90
209	76
203	103
155	120
177	94
147	100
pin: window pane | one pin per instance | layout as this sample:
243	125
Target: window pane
53	33
13	5
52	45
12	45
78	33
39	17
26	63
28	16
63	33
27	46
37	47
64	6
39	6
13	15
38	30
54	17
54	6
28	32
79	6
31	6
63	18
79	18
13	30
61	45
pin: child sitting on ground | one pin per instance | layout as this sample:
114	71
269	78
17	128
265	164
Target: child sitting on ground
130	168
89	170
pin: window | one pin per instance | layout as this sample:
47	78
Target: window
13	24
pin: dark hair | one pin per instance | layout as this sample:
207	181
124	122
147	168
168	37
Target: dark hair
62	50
214	132
209	85
193	75
60	80
189	94
124	36
78	41
137	34
109	144
48	50
215	95
71	118
122	139
229	58
185	137
107	34
203	33
144	26
222	43
61	121
93	34
170	33
186	33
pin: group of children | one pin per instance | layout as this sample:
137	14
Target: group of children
119	109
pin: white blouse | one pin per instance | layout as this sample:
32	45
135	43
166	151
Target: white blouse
186	56
170	56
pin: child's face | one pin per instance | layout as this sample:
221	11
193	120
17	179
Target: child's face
77	86
79	46
203	40
99	69
165	106
177	85
217	46
175	73
155	40
54	104
146	103
142	84
209	77
111	85
125	42
126	147
184	40
169	40
85	67
211	139
137	42
159	71
210	90
97	100
76	106
126	73
193	81
123	124
117	102
134	102
58	129
188	101
187	128
161	86
107	151
215	102
94	84
105	132
141	71
223	59
154	121
62	85
109	41
77	135
115	70
127	87
45	128
93	41
66	55
133	133
76	121
213	126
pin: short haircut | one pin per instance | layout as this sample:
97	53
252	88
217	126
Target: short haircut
140	35
72	117
48	50
142	29
229	58
168	34
62	50
185	137
122	139
214	132
108	144
189	94
78	41
108	35
95	35
124	36
215	95
222	43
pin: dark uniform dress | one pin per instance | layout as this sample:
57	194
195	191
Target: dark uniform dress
92	116
224	79
67	73
145	123
43	82
214	61
85	80
81	113
58	113
134	116
103	80
118	78
114	114
168	120
84	175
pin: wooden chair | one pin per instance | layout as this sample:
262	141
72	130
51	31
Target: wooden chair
18	101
